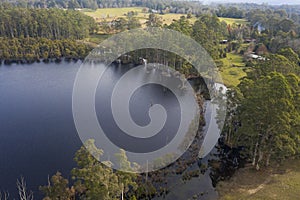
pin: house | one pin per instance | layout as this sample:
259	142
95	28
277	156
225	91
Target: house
249	40
255	57
223	41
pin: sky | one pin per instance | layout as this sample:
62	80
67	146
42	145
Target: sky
275	2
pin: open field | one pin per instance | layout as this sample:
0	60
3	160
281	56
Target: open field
168	18
113	13
269	184
233	20
232	69
97	38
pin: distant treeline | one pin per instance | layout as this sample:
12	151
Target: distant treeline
158	5
93	4
253	6
232	10
48	23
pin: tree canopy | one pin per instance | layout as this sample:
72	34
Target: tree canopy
47	23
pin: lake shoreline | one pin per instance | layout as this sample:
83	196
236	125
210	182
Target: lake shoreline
25	61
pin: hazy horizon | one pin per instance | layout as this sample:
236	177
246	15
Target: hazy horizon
271	2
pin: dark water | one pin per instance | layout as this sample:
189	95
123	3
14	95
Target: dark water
37	132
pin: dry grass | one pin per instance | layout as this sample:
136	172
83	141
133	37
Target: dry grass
113	13
233	20
274	183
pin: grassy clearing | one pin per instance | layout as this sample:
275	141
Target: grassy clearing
168	18
277	183
232	69
233	20
112	13
97	38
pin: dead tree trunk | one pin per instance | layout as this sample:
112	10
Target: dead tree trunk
4	196
22	189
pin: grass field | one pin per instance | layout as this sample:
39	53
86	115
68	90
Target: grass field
232	70
271	184
112	13
97	38
232	20
168	18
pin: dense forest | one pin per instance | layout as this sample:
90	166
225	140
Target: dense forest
28	35
47	23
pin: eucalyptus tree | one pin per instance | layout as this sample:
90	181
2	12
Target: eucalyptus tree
126	173
232	115
94	180
266	112
58	189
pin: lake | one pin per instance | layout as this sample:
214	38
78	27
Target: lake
37	133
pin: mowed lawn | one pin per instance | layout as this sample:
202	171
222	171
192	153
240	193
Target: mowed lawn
233	20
